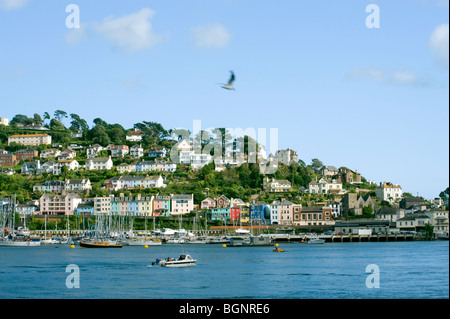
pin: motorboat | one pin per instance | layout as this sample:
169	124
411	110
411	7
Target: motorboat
315	241
185	260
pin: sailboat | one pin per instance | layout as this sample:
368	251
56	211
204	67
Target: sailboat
14	238
100	240
47	241
144	240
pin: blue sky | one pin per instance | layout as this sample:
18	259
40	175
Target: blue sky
371	99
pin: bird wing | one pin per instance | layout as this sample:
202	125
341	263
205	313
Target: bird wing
230	81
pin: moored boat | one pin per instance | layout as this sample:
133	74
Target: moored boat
100	244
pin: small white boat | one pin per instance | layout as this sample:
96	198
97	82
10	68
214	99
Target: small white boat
315	241
20	242
184	260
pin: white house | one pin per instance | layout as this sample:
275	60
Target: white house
324	186
389	192
134	136
77	185
99	163
71	164
136	151
93	150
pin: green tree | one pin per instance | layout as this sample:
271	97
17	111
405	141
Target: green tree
429	231
316	164
444	195
78	124
98	135
59	115
21	119
57	125
37	119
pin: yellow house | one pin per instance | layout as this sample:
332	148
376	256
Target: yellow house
276	185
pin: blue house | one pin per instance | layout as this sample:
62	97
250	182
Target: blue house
223	213
85	209
160	152
259	212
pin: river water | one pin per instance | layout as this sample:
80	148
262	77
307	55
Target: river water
403	270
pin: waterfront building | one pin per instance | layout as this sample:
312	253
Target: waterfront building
162	205
259	212
220	213
413	222
316	216
285	210
145	204
389	214
85	209
274	212
182	204
235	212
26	209
30	139
438	219
244	214
102	204
58	204
296	214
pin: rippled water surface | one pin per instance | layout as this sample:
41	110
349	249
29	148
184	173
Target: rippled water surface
330	271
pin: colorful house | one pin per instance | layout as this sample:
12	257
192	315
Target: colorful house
182	204
162	205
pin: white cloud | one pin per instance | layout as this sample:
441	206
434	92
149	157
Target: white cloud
130	33
12	4
397	77
211	36
439	45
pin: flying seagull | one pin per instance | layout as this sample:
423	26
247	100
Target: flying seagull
229	85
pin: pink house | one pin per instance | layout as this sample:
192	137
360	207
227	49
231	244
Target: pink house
58	204
208	203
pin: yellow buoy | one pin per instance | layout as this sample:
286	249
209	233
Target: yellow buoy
224	245
146	246
276	245
72	246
